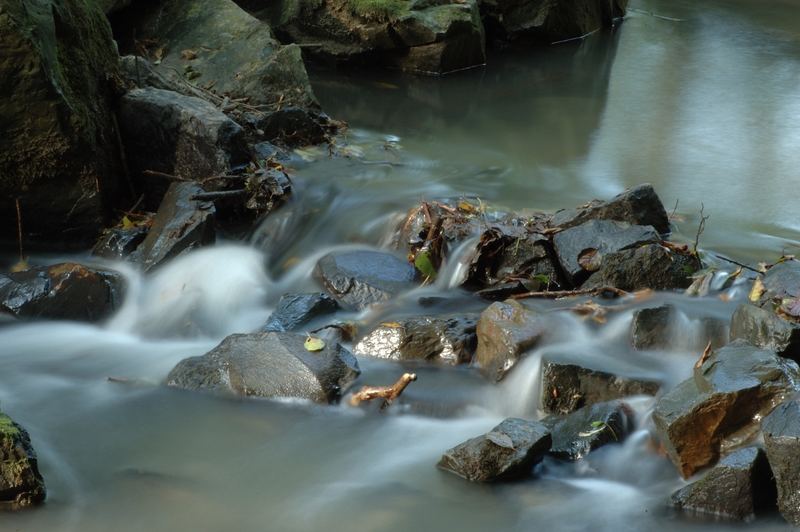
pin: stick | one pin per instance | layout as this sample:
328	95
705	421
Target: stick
700	227
387	393
153	173
555	294
19	230
211	196
737	263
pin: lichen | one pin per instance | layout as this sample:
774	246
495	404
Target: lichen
382	10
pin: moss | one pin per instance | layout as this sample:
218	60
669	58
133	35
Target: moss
8	429
379	9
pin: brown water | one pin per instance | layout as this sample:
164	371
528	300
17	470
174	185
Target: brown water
702	100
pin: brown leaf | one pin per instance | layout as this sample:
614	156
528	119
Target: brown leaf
590	259
703	357
188	55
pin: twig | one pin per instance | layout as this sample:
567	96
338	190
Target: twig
700	227
556	294
579	38
154	173
387	393
19	230
674	210
737	263
221	194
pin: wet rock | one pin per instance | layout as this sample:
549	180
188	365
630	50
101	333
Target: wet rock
58	152
66	291
650	266
589	428
178	135
119	242
781	431
781	281
449	340
737	488
269	364
180	225
568	387
548	21
762	327
425	37
292	126
358	279
506	330
509	451
581	249
296	310
21	484
652	327
639	205
735	384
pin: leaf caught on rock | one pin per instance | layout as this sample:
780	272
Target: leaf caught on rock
313	343
424	264
590	259
127	223
757	291
498	438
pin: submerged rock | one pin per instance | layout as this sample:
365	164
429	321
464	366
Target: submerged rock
296	310
449	340
737	488
180	225
568	387
269	364
589	428
581	249
58	151
736	383
652	328
650	266
358	279
21	484
509	451
506	330
781	430
66	291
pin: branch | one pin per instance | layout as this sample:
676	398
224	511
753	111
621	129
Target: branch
556	294
387	393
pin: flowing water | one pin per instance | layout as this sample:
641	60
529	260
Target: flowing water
702	99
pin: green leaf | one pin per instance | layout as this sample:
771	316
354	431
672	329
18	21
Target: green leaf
423	263
596	424
313	343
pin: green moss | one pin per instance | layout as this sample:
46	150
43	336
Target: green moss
379	9
8	429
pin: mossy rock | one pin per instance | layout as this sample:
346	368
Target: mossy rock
21	484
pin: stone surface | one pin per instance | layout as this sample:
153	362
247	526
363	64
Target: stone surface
650	266
118	242
358	279
736	383
737	488
509	451
66	291
448	340
652	328
781	430
588	428
58	151
567	387
180	225
581	249
506	330
21	484
764	328
295	310
269	364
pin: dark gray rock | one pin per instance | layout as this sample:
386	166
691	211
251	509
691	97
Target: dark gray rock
588	428
639	205
21	484
506	330
296	310
58	150
737	488
781	281
270	364
119	242
650	266
292	126
567	387
66	291
448	340
652	327
180	225
509	451
357	279
781	430
592	241
762	327
737	383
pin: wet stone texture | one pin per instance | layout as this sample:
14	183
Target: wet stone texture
735	384
652	327
591	427
567	387
271	364
649	266
21	484
781	431
508	451
295	310
443	339
737	488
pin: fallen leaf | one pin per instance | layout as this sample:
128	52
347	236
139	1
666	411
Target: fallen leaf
703	357
498	438
313	343
757	290
423	263
20	266
590	259
127	223
188	55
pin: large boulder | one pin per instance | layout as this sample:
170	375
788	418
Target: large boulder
567	387
781	430
21	484
548	20
58	151
425	37
449	340
270	364
650	266
579	433
734	386
358	279
506	331
295	310
182	223
508	451
737	488
65	291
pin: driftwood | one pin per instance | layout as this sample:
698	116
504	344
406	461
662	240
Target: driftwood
387	393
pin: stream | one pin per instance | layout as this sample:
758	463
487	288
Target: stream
701	99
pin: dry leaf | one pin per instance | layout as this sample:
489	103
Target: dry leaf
703	357
590	259
757	290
